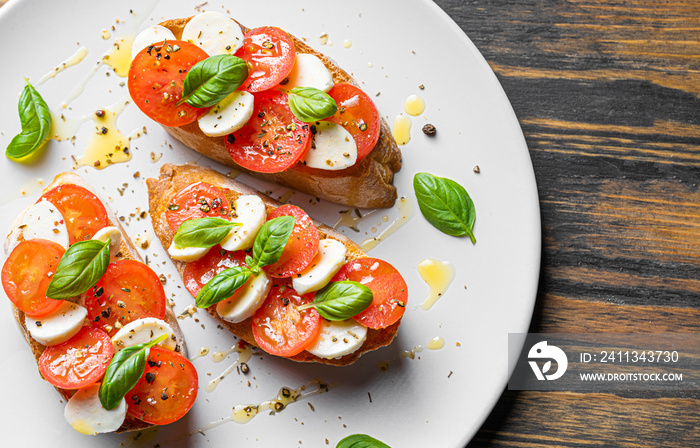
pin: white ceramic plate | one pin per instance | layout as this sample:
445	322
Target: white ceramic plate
441	397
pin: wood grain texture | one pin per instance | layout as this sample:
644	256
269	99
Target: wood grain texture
608	95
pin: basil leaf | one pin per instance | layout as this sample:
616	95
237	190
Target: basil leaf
310	104
361	441
213	79
36	122
222	286
341	300
271	239
203	232
445	204
81	266
124	371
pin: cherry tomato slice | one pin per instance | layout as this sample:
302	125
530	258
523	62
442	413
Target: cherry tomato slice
156	77
302	246
27	273
129	290
198	273
166	391
270	55
389	290
273	139
78	362
82	211
197	200
358	114
279	328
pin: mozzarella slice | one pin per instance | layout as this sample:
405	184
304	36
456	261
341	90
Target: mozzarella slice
187	253
114	235
152	35
43	220
214	33
251	213
229	115
86	415
333	148
329	259
144	330
246	300
338	339
309	71
58	326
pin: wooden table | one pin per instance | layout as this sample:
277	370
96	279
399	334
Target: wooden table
607	94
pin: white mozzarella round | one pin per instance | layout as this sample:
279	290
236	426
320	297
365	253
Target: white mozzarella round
229	115
329	259
309	71
144	330
251	214
43	220
187	254
333	148
152	35
114	235
86	415
58	326
246	301
338	339
214	33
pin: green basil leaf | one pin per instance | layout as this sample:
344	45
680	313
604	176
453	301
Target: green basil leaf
361	441
222	286
310	104
445	204
81	266
124	371
203	232
36	122
341	300
213	79
271	239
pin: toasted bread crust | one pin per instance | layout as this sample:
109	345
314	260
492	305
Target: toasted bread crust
366	184
174	178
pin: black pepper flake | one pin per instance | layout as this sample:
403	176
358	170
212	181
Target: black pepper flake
244	368
38	323
429	130
173	207
313	129
104	130
150	377
154	363
363	127
126	290
99	291
231	139
100	113
106	313
135	399
285	301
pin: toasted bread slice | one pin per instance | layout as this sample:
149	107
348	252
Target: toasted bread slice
174	178
367	184
127	251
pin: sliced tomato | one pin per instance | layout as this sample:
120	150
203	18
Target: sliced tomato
82	211
389	290
197	200
302	246
166	391
129	290
198	273
270	55
273	139
358	114
78	362
279	327
156	77
27	273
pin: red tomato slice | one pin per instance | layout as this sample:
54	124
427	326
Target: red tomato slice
129	290
273	139
156	77
198	200
198	273
27	273
82	211
302	246
270	55
279	328
358	114
389	290
166	391
78	362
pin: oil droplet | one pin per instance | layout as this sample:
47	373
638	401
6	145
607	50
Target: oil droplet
25	190
436	343
323	39
65	128
107	144
285	197
370	65
203	351
106	34
405	209
348	220
119	56
347	43
245	352
402	129
233	173
438	275
74	59
414	105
